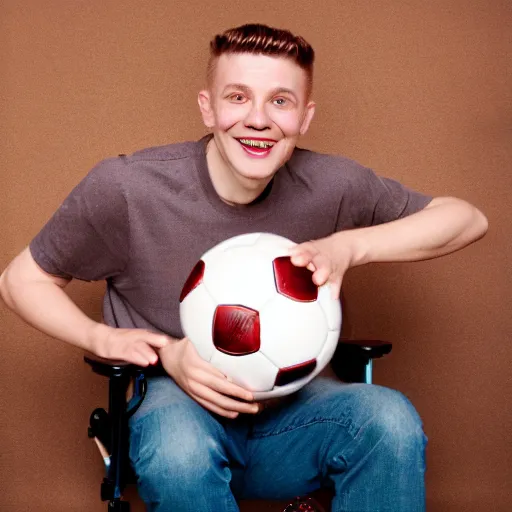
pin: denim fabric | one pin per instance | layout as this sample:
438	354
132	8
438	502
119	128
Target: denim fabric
363	440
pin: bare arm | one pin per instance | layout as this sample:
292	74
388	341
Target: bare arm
446	225
40	299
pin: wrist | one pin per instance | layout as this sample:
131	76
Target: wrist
96	338
353	242
169	352
169	356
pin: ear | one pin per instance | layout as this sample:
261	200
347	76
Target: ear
310	112
205	106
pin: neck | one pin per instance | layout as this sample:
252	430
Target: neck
232	188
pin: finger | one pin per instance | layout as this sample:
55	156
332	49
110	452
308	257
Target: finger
336	288
213	378
220	400
321	276
311	267
214	408
206	374
126	352
226	387
301	259
135	357
194	359
261	406
147	353
304	247
208	368
156	340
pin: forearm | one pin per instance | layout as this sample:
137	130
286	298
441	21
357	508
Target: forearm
444	226
39	298
45	305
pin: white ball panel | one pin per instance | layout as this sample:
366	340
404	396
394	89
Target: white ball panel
331	307
273	245
278	391
327	351
291	332
240	276
246	240
323	359
196	315
253	371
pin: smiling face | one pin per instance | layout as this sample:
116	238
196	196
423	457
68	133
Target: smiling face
257	106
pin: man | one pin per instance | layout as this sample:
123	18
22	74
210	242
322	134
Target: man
199	442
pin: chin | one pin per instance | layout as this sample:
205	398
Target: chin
256	174
261	169
257	170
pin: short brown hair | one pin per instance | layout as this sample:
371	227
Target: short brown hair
262	40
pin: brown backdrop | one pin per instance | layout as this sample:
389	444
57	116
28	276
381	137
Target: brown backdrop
421	91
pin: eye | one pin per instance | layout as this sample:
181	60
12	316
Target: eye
237	97
281	102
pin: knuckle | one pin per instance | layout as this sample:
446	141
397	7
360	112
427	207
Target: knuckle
192	386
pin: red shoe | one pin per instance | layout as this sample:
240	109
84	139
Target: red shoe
306	504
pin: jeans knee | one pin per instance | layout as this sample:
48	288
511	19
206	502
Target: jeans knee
172	458
377	459
393	421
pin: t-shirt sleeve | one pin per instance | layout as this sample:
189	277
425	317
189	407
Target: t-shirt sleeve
369	200
88	236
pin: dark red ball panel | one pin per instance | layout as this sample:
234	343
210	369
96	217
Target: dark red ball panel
295	372
193	280
236	330
293	282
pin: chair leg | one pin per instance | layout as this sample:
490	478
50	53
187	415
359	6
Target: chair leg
118	506
115	481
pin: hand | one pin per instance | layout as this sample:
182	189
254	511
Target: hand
137	346
204	383
328	258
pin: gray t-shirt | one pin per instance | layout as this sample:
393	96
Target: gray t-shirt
142	222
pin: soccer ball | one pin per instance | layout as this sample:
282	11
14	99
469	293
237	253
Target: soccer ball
257	317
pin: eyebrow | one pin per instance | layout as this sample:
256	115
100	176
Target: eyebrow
245	88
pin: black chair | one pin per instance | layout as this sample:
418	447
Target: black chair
352	362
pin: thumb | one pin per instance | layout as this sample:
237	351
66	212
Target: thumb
302	254
157	340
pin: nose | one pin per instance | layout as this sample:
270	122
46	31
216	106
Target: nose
257	118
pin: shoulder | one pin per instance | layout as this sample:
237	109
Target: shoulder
169	152
126	169
328	169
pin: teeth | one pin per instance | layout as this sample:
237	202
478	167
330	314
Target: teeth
257	143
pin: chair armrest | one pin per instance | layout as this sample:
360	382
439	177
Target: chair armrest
371	349
109	367
351	359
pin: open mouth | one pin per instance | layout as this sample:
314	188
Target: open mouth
257	147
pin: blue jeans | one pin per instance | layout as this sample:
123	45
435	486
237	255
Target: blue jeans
364	441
